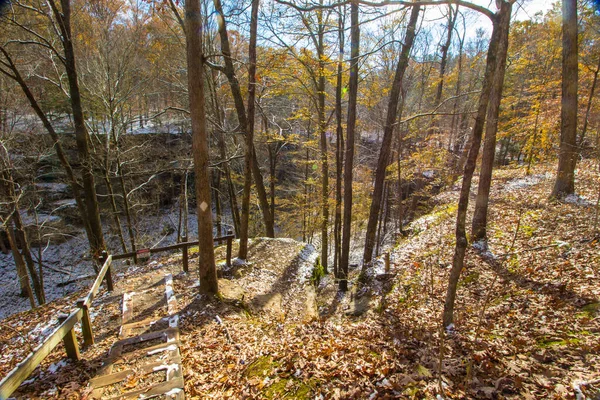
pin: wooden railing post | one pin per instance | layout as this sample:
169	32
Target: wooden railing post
108	276
387	263
185	254
86	323
70	341
229	243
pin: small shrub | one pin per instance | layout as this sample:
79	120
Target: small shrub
317	273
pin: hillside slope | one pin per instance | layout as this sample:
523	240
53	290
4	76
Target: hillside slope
527	317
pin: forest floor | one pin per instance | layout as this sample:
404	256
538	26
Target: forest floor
527	313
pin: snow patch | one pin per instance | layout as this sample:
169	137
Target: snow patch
173	392
306	263
42	330
482	248
168	367
171	347
238	262
522	183
577	200
429	174
54	367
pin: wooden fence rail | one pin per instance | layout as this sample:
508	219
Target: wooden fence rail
185	245
65	333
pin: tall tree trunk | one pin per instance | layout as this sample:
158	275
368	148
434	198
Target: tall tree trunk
26	252
9	192
20	264
238	100
217	190
305	208
452	15
127	209
243	249
533	141
273	149
323	140
339	150
349	158
206	264
233	205
565	177
470	162
386	144
63	17
109	186
479	223
589	105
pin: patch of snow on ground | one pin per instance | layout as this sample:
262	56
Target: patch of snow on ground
54	367
482	247
42	330
379	266
306	263
522	183
577	200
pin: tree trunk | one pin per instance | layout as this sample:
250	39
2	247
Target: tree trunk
20	264
81	134
8	189
565	177
238	100
233	205
243	250
206	263
323	141
127	209
390	123
452	15
470	162
589	105
217	190
339	150
349	158
111	193
479	223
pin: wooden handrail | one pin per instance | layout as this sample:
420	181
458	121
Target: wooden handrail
96	286
183	245
64	333
13	380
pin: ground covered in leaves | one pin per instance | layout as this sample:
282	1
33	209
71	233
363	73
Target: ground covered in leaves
527	313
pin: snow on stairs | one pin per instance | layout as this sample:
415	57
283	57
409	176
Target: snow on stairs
146	362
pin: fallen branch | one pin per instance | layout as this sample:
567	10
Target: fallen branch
531	249
76	279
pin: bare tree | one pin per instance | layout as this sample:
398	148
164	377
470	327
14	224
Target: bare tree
469	168
479	224
388	133
240	108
